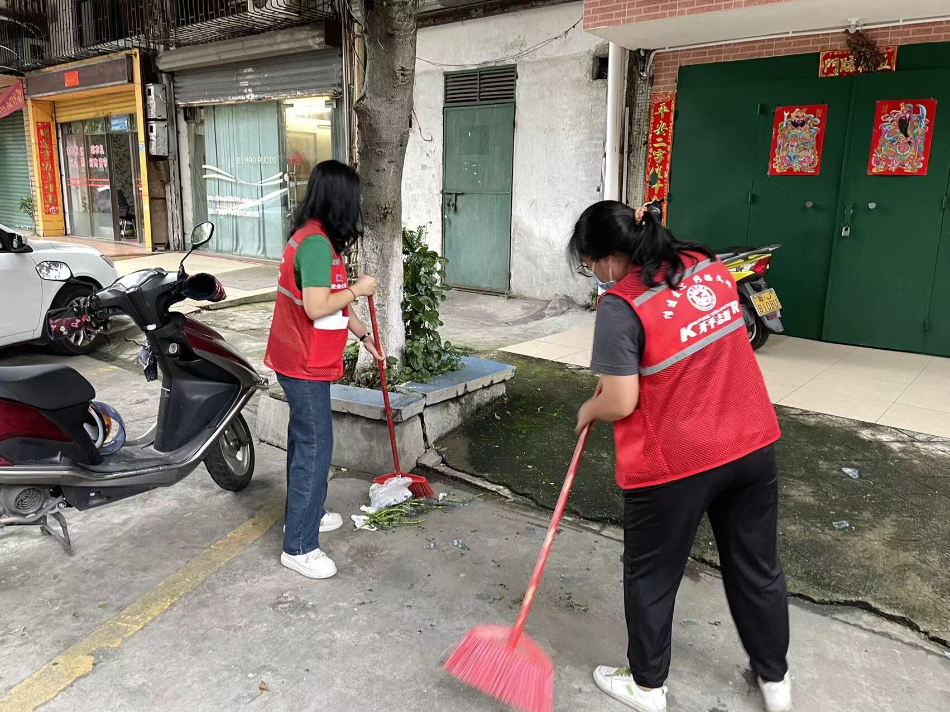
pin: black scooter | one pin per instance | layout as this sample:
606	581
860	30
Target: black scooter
49	457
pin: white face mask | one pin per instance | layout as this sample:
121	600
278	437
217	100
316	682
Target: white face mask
606	285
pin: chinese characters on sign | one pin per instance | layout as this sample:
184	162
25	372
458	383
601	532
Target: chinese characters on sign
840	62
903	131
797	140
660	147
11	99
44	150
96	150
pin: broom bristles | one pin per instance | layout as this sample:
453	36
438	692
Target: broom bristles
422	490
522	677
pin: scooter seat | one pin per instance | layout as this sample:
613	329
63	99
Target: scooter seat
45	387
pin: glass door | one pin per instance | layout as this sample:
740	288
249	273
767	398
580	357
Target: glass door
126	185
100	188
78	207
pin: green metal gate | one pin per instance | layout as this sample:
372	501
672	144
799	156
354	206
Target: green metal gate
14	172
887	283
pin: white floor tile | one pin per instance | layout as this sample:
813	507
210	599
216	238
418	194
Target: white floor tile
543	350
818	399
921	420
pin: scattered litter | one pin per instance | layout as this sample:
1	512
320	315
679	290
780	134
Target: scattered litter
841	525
442	496
715	623
361	521
497	417
393	491
430	544
689	621
851	472
459	544
530	530
947	654
263	687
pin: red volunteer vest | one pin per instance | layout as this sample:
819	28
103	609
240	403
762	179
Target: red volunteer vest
703	401
298	346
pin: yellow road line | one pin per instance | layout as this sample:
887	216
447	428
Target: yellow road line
58	674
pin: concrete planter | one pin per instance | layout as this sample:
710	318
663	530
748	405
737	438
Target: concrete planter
423	413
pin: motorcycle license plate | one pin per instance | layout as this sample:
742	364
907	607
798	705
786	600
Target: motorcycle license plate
766	302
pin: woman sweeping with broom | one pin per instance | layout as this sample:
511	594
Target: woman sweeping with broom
305	348
695	432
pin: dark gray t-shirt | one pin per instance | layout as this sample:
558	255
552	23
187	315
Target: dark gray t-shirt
618	339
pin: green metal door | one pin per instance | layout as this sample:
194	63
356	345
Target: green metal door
476	197
14	172
937	340
798	211
713	162
882	275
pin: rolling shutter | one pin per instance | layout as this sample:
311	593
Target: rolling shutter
93	107
303	74
14	171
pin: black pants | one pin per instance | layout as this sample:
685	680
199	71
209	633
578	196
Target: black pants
659	526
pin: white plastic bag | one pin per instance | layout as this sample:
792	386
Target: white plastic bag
393	491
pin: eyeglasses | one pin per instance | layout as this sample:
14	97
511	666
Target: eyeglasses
584	271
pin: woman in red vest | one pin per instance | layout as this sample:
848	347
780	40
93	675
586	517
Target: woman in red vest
312	319
695	430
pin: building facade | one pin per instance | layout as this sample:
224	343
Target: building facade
507	147
102	133
775	133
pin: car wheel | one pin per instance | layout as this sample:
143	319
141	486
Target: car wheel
85	341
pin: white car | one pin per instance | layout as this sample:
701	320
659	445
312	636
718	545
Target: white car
39	275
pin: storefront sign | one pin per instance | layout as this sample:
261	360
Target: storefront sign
903	132
660	147
108	73
119	123
11	99
797	140
840	62
44	149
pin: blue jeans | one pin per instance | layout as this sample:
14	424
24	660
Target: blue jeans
309	449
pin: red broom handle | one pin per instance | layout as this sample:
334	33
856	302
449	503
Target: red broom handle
382	381
548	540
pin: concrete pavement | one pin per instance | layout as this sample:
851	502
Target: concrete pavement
175	600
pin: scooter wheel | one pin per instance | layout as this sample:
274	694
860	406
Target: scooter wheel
230	461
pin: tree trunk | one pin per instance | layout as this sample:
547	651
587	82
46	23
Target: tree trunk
383	116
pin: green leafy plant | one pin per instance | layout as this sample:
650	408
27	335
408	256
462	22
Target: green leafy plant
424	290
25	206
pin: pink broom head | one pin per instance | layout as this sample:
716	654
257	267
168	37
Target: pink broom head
521	676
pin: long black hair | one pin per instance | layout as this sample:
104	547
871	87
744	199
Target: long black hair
610	227
333	198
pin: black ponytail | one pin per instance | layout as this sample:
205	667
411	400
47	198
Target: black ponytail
610	227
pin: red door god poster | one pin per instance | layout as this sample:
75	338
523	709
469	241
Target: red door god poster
797	140
903	131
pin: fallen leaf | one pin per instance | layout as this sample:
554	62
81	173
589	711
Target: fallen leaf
263	687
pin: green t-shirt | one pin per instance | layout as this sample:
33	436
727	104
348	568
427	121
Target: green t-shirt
312	265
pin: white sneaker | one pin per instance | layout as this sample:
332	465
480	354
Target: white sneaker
778	695
331	521
619	684
315	565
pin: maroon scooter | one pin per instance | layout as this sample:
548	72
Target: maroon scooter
49	457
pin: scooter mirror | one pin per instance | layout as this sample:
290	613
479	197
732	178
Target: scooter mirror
201	235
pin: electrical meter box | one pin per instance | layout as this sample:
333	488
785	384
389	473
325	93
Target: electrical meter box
158	139
156	102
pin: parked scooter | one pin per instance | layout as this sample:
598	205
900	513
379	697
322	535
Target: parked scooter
60	449
761	307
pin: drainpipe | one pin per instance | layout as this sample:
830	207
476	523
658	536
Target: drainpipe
615	101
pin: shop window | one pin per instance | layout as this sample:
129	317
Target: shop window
250	164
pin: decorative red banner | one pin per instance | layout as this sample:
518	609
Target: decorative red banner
797	140
660	147
840	62
903	131
44	149
11	99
